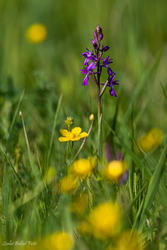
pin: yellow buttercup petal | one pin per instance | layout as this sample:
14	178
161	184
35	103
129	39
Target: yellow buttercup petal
76	130
75	138
83	134
64	132
61	139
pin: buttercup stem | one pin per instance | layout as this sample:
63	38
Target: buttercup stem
68	144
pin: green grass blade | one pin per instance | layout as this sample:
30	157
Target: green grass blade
164	91
8	160
54	125
15	114
34	168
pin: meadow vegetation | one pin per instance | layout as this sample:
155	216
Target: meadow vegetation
74	175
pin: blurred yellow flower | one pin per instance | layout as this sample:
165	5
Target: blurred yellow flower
68	184
62	241
115	170
127	241
59	241
81	168
73	135
150	140
105	220
36	33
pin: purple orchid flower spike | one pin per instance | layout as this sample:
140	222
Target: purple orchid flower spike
93	60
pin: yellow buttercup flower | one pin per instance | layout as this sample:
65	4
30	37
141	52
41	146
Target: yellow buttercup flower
115	170
59	241
36	33
150	140
62	241
68	184
73	135
105	220
81	168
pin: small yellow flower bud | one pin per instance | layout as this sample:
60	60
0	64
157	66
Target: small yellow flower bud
91	117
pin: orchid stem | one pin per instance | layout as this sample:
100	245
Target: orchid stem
100	139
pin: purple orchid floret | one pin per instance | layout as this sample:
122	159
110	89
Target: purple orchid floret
88	71
105	63
100	36
105	48
91	66
112	92
85	81
89	56
94	43
112	83
95	35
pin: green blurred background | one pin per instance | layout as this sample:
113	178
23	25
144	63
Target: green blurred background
135	31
